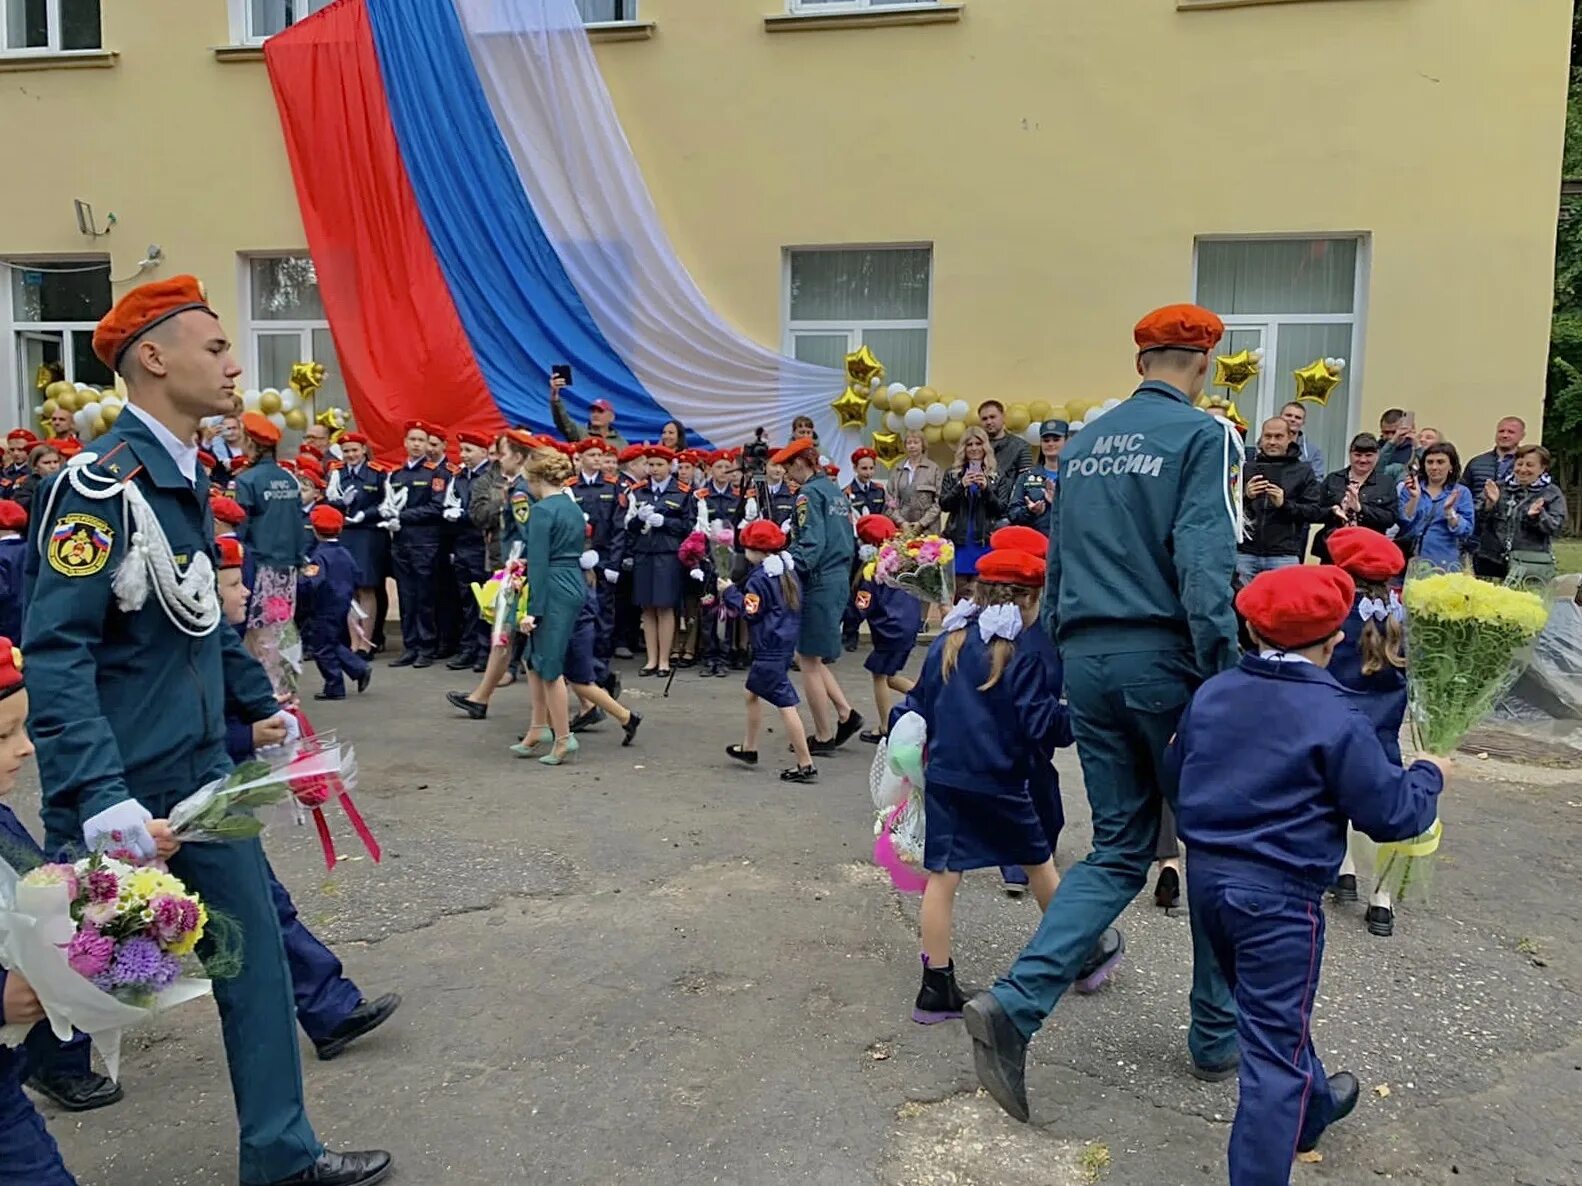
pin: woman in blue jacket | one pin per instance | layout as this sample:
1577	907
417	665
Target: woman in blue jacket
1434	509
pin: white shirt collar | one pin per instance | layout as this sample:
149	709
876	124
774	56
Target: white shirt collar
1275	656
184	455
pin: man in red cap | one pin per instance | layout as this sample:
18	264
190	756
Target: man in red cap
1142	549
414	513
601	415
131	669
1273	761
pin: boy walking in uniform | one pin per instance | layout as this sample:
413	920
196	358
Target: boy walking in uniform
326	586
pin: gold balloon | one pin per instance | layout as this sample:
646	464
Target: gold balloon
110	413
933	433
901	402
952	431
1017	418
307	378
881	399
1222	405
852	407
1235	371
68	400
269	403
48	409
862	367
889	446
100	425
1315	381
1040	410
296	420
924	397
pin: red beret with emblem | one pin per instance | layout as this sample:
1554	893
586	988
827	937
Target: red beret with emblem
141	310
661	452
468	437
1179	327
354	438
1020	539
227	510
13	515
864	452
22	434
67	447
875	529
761	535
10	667
1011	567
231	552
1297	607
629	454
326	520
1365	554
310	467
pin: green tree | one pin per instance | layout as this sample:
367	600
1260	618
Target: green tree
1563	398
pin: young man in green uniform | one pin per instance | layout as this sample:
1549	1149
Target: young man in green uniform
1141	554
131	670
822	546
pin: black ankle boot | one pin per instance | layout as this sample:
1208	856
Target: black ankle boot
939	999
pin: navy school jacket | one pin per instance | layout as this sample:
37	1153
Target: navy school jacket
325	588
1381	697
604	503
1273	759
772	624
13	587
894	617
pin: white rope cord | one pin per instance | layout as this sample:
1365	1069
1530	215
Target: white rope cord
1233	502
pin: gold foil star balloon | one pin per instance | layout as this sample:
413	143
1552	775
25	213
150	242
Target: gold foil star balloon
1219	405
333	419
1235	371
888	446
862	368
852	407
1315	381
307	378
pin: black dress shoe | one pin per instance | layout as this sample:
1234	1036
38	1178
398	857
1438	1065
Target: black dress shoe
471	707
848	645
1218	1073
819	746
1345	888
459	663
584	720
634	721
1343	1086
799	774
368	1016
78	1093
1167	890
1381	921
407	659
871	736
748	757
327	696
364	680
342	1169
1101	961
423	661
999	1054
848	728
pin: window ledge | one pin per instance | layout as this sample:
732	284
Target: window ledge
864	18
621	30
238	53
1211	5
73	59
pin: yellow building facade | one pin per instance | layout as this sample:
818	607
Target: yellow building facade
988	192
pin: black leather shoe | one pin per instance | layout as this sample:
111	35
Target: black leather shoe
78	1093
629	730
848	728
471	707
819	746
1344	1087
342	1169
367	1017
585	720
1218	1073
807	774
1381	921
1167	890
1101	961
363	682
407	659
1345	888
423	661
459	663
481	666
999	1054
849	645
327	696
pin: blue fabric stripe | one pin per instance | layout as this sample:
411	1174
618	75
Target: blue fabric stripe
521	312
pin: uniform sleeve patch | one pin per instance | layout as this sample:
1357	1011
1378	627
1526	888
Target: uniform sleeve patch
79	545
801	511
438	485
751	601
310	570
864	599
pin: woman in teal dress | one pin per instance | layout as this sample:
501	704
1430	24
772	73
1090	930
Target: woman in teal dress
556	538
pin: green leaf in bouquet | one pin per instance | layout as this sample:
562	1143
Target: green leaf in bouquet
248	772
264	796
235	827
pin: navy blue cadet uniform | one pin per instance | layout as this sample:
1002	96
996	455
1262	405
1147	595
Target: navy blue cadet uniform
1381	697
656	570
1266	827
865	498
13	586
124	705
469	564
773	627
602	502
1141	553
823	545
448	616
895	619
325	588
415	552
362	489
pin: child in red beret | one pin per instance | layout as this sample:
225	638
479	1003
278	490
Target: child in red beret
325	588
894	617
1273	760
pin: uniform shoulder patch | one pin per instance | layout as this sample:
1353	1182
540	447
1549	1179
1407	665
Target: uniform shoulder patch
79	545
751	601
801	510
864	598
310	570
438	485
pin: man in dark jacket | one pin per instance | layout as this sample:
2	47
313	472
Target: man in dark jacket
1357	496
1282	500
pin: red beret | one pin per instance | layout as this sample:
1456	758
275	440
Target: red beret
832	470
289	464
1297	607
317	482
796	449
1011	567
863	452
21	434
761	535
13	515
209	460
231	552
10	667
257	426
629	454
1179	327
141	310
354	438
311	450
468	437
663	453
1365	554
67	446
310	466
419	425
435	430
875	529
326	520
227	510
1020	539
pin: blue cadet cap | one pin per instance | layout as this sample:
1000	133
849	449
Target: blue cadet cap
1054	428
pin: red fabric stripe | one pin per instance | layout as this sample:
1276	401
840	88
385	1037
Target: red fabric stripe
402	348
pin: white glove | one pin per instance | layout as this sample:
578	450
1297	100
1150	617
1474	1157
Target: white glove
123	826
611	575
293	731
655	519
451	514
357	518
696	574
785	526
750	511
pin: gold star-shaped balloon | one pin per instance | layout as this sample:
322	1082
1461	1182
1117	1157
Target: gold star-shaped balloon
1219	405
307	378
852	407
862	367
1315	381
1235	371
888	446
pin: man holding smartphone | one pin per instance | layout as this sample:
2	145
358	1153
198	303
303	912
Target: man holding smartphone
601	413
1283	500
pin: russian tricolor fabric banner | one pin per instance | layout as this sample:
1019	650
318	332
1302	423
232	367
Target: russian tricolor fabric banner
476	215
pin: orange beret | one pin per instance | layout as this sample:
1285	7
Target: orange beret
326	520
1297	607
67	447
141	310
521	438
227	510
1179	327
1020	539
761	535
468	437
10	667
1010	567
1365	554
231	552
875	529
13	515
257	426
796	449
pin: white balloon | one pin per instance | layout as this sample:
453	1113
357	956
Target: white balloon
875	383
84	423
92	408
893	421
290	401
912	390
38	409
278	419
111	400
1111	404
250	401
1032	434
1076	426
915	418
896	388
958	409
936	413
1340	364
82	387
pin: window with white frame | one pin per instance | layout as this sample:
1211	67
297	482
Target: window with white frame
286	325
252	21
838	298
49	26
824	6
1298	300
607	12
51	307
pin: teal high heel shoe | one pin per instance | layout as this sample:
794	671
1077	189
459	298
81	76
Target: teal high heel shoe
531	749
553	759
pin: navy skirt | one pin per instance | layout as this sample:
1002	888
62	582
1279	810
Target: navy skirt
657	581
980	829
768	679
823	603
370	547
580	664
888	658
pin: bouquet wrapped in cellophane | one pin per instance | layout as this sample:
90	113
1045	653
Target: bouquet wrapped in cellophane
227	808
896	781
502	599
1466	642
922	565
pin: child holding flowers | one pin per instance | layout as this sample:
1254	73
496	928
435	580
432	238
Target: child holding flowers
894	617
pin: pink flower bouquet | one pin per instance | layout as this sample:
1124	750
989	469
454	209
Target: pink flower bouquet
924	566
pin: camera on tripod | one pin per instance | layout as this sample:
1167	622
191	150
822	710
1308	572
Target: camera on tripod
755	454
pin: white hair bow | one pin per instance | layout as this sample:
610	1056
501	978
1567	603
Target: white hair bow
777	563
959	615
1000	621
867	552
1377	609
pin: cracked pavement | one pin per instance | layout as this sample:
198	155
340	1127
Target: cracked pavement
655	967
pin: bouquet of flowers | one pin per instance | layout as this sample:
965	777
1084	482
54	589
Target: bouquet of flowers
102	942
922	565
226	809
502	599
722	547
1467	640
896	781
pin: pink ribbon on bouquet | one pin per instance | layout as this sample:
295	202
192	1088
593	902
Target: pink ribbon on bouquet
316	790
